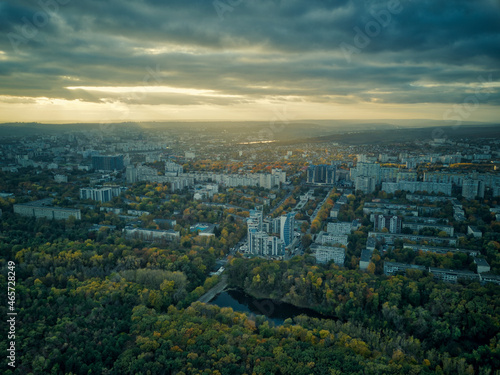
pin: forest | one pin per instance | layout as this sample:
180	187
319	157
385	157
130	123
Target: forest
94	302
456	320
122	307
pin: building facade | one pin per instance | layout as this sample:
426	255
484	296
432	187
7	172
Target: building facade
107	163
324	254
48	212
103	194
287	224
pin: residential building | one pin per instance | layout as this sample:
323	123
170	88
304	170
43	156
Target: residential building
391	222
482	265
151	234
364	261
452	276
42	209
261	243
114	210
255	220
414	186
406	176
102	194
389	238
423	198
324	254
389	209
321	174
365	184
173	169
448	229
332	239
60	178
334	213
287	226
372	170
131	174
439	250
371	243
279	174
489	278
391	268
442	177
472	189
474	231
339	228
275	247
107	163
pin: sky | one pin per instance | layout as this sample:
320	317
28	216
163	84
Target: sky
159	60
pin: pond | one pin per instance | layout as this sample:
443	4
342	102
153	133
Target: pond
275	311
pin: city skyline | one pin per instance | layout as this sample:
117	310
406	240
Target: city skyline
66	61
139	236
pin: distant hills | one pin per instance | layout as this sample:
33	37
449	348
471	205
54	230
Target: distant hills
345	131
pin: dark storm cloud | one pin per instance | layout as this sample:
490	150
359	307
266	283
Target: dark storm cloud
250	50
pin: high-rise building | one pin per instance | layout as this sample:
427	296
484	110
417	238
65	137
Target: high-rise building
103	195
442	177
257	241
173	169
266	180
279	174
392	223
107	163
368	170
260	243
407	176
471	189
254	231
321	174
275	246
255	220
365	184
131	174
287	228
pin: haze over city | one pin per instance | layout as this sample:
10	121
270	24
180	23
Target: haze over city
235	187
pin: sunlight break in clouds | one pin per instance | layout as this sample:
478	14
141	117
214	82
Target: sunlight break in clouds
153	89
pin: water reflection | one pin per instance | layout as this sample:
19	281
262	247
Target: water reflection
276	312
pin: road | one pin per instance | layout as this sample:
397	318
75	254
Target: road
315	213
280	203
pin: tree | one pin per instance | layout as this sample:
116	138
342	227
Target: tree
306	240
371	268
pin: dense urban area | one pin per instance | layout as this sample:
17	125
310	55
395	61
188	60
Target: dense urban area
123	236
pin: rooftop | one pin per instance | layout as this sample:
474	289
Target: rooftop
366	255
481	262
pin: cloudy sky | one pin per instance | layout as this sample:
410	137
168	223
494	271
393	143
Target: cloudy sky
73	60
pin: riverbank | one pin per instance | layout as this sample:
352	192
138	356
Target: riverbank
278	301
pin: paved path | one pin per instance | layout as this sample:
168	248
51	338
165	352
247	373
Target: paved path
208	296
280	203
316	211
